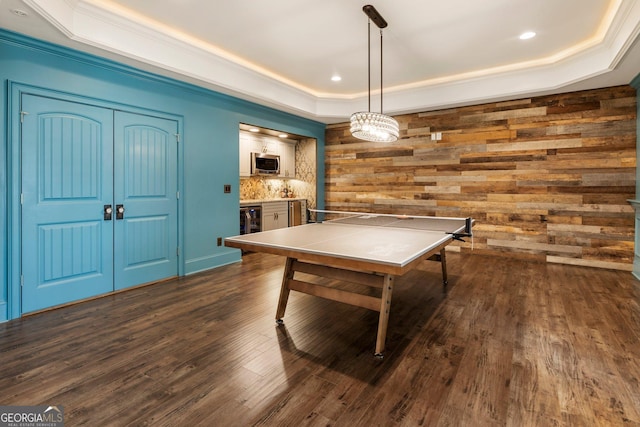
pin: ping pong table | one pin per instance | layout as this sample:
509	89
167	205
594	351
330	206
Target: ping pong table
360	248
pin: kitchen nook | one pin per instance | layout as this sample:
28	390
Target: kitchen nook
277	179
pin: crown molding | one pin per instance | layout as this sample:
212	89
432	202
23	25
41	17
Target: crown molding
94	23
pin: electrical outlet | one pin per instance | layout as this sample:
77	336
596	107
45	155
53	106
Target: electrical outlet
227	188
219	241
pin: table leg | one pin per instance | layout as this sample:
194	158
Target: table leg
385	307
284	289
443	263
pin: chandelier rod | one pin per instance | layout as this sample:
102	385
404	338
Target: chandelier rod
374	16
369	59
381	72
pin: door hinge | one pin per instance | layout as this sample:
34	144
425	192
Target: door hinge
178	251
21	280
21	198
22	114
177	137
178	195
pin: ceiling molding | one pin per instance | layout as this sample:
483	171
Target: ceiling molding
177	55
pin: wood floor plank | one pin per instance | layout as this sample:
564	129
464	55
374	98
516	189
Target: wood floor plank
508	342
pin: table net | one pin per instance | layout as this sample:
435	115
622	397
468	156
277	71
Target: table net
443	224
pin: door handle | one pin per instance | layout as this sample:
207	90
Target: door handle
119	211
108	211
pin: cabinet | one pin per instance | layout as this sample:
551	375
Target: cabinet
246	144
259	143
252	143
268	146
287	159
275	215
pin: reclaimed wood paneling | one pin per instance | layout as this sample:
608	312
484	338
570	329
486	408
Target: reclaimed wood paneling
546	178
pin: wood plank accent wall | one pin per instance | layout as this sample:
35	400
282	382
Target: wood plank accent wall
546	178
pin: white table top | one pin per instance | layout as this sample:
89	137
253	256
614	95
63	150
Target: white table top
385	245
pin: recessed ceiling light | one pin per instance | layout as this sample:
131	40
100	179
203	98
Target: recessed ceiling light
254	130
336	78
283	135
527	35
19	12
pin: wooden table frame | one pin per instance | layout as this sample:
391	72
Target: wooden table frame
361	272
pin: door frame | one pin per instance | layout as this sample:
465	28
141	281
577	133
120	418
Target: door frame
14	173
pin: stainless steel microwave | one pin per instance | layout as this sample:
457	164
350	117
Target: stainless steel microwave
265	164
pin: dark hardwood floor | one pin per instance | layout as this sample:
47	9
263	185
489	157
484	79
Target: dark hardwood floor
510	343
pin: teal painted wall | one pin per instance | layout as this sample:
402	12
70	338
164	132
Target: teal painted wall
210	142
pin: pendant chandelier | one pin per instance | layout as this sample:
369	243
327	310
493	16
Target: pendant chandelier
367	125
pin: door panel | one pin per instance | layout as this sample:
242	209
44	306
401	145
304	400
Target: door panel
145	183
66	181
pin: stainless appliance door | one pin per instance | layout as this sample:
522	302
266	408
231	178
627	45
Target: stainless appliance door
295	213
250	219
245	221
256	219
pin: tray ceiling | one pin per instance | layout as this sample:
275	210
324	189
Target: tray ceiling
283	53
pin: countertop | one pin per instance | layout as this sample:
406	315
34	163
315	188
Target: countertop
250	202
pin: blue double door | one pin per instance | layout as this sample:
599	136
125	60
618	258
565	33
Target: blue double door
99	208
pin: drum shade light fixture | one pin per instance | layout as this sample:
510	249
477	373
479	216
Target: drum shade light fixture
367	125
